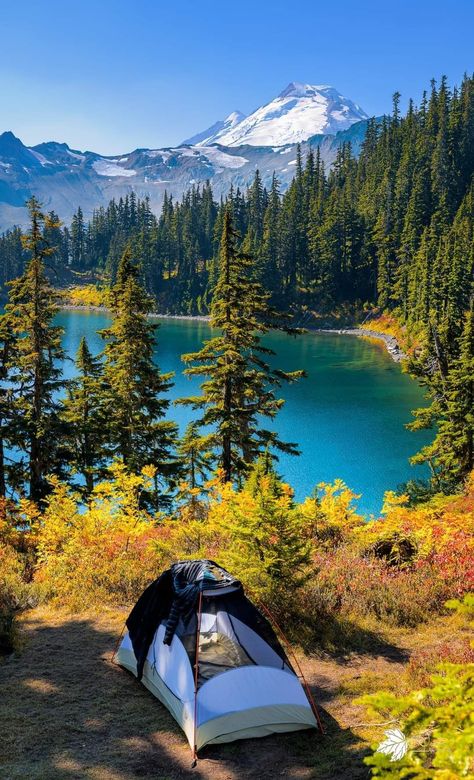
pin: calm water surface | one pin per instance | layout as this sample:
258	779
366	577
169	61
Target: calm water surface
347	417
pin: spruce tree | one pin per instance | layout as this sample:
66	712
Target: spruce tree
134	399
451	454
84	414
34	374
195	452
241	385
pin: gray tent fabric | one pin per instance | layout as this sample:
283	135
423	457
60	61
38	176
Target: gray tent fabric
209	655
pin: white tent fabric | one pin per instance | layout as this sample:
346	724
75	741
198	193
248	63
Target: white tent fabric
245	690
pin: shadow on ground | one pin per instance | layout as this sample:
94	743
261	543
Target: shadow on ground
340	637
68	712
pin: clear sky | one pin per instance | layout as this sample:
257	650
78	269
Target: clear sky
110	75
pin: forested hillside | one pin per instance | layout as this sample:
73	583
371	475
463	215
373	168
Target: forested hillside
391	227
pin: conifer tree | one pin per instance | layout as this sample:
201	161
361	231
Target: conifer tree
84	415
451	454
134	400
240	387
34	374
274	527
195	452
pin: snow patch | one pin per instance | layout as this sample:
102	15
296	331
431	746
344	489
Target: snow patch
217	157
154	153
110	168
41	159
76	156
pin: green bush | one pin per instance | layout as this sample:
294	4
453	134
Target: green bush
436	722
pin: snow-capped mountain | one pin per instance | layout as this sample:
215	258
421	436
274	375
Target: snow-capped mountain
299	112
226	154
212	134
64	178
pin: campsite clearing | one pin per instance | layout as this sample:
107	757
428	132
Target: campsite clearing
68	713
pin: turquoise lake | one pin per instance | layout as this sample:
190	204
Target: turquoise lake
347	416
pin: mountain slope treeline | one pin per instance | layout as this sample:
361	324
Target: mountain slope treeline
390	227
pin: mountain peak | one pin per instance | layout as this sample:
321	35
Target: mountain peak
8	140
299	112
298	89
211	134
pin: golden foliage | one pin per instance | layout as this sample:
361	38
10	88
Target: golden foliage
100	552
85	295
431	526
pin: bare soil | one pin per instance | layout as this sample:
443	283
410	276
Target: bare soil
67	711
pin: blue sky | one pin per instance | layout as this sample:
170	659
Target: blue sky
111	75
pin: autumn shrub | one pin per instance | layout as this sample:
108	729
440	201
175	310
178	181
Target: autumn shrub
433	541
390	326
15	594
431	526
330	515
85	295
347	583
423	663
17	551
100	553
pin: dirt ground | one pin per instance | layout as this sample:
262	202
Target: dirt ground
67	712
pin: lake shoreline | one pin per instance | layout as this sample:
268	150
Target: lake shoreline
391	344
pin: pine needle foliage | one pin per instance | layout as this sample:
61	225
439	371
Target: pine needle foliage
33	355
240	388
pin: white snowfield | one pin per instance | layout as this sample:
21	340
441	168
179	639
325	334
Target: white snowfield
299	112
215	156
110	168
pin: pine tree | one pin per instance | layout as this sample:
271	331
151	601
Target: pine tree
84	415
269	274
35	376
274	527
134	401
451	454
195	452
241	385
78	240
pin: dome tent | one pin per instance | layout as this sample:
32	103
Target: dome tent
207	653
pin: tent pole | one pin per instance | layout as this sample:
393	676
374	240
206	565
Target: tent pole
196	675
309	695
118	643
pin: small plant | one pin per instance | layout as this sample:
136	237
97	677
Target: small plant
434	728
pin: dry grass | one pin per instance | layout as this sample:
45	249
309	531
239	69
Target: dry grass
67	712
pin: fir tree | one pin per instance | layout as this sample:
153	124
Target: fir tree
275	526
134	400
195	452
34	373
84	415
241	385
451	454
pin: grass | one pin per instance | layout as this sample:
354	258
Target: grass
68	712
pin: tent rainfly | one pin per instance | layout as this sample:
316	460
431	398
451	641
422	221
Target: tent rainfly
210	656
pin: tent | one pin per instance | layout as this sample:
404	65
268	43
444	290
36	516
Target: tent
212	658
